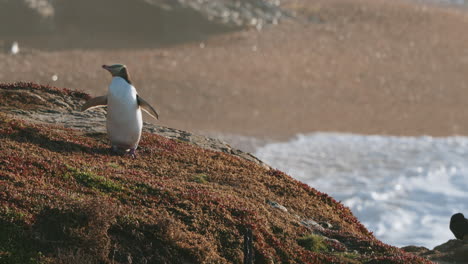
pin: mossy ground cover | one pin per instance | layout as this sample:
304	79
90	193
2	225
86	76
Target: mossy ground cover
66	198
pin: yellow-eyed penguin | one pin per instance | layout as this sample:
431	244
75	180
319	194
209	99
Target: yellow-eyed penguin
124	121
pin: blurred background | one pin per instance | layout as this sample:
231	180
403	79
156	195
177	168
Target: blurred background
362	99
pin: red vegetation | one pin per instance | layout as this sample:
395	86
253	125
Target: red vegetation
65	197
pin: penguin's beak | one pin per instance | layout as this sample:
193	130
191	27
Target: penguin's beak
113	69
109	69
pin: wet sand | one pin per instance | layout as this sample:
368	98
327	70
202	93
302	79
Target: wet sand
361	66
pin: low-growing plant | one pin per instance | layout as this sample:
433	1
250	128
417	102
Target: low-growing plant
200	178
313	243
94	181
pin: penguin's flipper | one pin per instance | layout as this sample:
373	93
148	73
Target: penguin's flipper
95	102
147	107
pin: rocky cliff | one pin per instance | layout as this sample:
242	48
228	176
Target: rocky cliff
66	198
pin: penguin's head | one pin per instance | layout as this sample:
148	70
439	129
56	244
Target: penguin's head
118	70
115	69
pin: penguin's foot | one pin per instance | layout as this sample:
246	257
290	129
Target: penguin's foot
119	150
132	153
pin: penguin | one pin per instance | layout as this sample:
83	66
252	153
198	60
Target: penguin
124	121
459	225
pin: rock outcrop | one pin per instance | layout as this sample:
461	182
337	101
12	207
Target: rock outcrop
66	198
454	251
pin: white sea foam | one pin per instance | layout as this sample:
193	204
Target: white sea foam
404	189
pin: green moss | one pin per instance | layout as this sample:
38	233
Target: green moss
113	165
67	175
11	215
313	243
146	189
94	181
277	230
350	257
200	178
15	242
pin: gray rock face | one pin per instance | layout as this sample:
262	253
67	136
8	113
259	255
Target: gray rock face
277	206
144	16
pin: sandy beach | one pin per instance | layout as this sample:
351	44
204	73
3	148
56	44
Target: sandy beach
368	67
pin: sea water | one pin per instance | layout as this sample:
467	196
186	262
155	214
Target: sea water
404	189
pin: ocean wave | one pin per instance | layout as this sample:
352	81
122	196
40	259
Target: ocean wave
404	189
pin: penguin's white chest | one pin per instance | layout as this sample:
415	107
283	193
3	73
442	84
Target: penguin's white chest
124	121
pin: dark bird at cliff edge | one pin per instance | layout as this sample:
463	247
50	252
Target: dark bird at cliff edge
459	225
